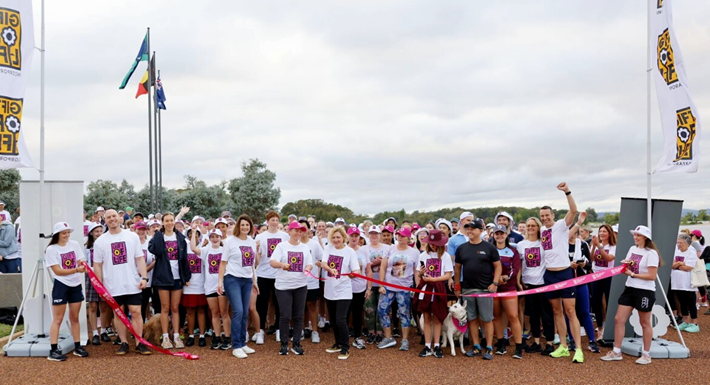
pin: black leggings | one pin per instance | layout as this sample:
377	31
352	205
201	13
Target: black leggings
687	303
356	309
539	308
266	292
338	311
600	290
292	304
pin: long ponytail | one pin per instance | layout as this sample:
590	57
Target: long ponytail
648	244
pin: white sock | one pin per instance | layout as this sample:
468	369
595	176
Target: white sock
617	350
428	345
191	335
261	331
166	337
646	353
96	332
202	336
176	336
103	330
436	346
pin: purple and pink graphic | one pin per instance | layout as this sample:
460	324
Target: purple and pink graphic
546	239
172	249
532	257
679	258
195	263
634	261
295	261
433	267
68	260
335	262
86	230
271	244
118	252
247	256
214	260
599	260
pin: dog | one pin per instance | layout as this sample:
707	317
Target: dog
152	331
457	314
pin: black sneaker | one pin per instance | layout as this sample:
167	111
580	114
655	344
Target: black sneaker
271	330
284	349
370	339
226	343
534	348
96	340
202	342
473	352
500	348
396	333
326	327
190	341
351	333
488	355
518	352
548	349
297	349
307	333
216	343
143	350
426	352
437	352
81	352
56	355
105	337
379	338
593	347
123	349
571	347
117	341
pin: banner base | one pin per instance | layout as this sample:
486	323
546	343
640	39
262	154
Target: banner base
34	346
660	348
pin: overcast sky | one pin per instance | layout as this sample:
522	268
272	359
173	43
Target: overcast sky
374	105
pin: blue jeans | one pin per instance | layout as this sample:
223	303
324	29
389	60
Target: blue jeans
11	266
238	292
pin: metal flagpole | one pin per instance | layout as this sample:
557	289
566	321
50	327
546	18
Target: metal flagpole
150	135
155	133
41	166
160	156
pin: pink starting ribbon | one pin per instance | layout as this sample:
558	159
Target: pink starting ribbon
544	289
122	316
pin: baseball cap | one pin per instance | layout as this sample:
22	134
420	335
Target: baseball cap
415	226
475	224
140	225
642	230
138	213
226	214
100	208
500	228
196	217
214	231
404	231
375	229
697	233
61	226
292	216
329	224
221	220
295	225
353	230
129	208
465	215
454	219
388	229
339	220
2	203
153	222
392	218
94	225
444	221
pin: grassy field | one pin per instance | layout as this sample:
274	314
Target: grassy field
6	329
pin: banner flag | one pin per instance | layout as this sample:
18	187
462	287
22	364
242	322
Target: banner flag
142	56
17	46
679	116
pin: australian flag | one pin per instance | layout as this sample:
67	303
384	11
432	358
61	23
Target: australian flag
160	95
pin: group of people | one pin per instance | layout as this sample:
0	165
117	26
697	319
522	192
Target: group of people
362	277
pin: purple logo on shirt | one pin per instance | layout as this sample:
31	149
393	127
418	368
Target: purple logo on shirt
634	261
546	239
295	261
172	248
68	260
433	267
599	260
91	257
145	254
86	230
679	258
2	216
271	245
335	262
214	260
195	263
532	257
247	256
118	252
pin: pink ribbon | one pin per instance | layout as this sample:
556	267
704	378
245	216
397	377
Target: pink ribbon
122	316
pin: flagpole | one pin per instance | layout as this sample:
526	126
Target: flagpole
160	154
155	131
649	68
150	136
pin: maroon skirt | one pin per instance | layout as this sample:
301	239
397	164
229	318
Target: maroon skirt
193	300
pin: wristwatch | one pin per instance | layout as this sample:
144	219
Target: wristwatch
495	283
144	279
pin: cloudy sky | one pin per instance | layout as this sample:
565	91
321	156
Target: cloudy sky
375	105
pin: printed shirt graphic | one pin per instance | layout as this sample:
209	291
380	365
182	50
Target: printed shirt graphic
214	260
118	253
335	262
399	265
295	261
172	249
272	243
247	255
679	258
195	263
433	267
377	253
532	257
599	260
68	260
546	239
86	230
634	262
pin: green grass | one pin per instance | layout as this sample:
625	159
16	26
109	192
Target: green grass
6	329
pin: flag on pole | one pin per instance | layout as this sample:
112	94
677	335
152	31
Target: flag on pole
679	116
160	94
143	85
142	56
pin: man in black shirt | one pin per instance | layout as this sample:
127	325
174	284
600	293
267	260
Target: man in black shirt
480	263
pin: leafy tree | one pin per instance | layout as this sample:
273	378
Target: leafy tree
322	210
10	190
703	215
591	214
106	193
254	193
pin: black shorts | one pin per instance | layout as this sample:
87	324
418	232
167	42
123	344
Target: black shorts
553	277
313	295
177	285
129	299
639	299
214	295
63	294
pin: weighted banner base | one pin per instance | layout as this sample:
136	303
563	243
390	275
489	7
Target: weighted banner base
34	346
660	348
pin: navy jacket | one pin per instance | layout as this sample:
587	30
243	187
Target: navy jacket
162	274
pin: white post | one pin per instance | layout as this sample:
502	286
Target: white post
41	160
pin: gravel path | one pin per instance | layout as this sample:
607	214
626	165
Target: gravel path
388	366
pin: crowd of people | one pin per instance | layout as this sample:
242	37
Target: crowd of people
294	280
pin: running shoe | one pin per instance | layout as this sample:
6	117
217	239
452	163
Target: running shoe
284	349
681	326
611	356
645	359
379	338
96	340
500	347
396	333
260	338
578	356
143	350
81	352
166	344
692	328
359	343
326	327
593	347
307	333
254	337
488	355
426	352
315	337
321	322
179	344
518	354
216	343
190	341
248	350
297	349
239	353
105	337
548	350
123	349
534	348
370	339
226	343
571	347
203	342
557	340
526	334
386	343
560	352
333	349
56	355
475	351
278	336
344	354
117	341
404	346
271	330
438	353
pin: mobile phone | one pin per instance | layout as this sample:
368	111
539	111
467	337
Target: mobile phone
421	264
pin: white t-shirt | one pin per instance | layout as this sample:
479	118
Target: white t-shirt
434	266
5	216
149	258
533	261
86	226
211	259
117	254
317	254
680	280
267	245
599	263
171	246
298	257
66	257
400	267
372	253
641	260
555	242
359	285
345	262
240	256
197	277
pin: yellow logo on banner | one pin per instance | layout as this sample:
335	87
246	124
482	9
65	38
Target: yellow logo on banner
659	4
666	62
10	38
685	134
10	118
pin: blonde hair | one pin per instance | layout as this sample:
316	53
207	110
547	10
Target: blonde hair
337	229
539	226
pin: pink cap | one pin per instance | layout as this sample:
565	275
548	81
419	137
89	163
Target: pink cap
141	225
404	231
353	230
416	226
297	226
388	228
697	233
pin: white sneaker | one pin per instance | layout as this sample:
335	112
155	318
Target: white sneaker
239	353
315	338
253	338
645	359
321	322
246	336
557	339
260	338
278	336
248	350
